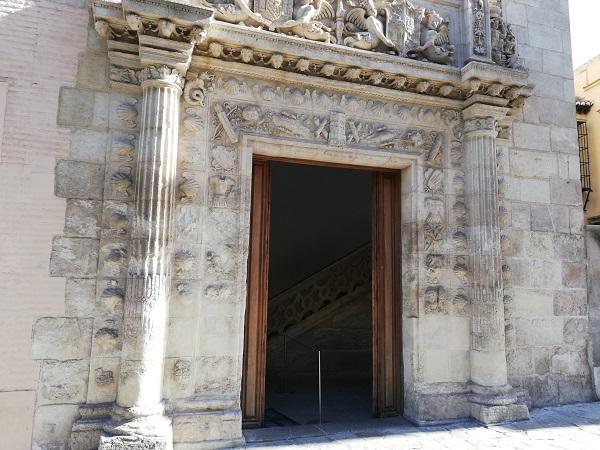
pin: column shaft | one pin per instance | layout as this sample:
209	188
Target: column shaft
138	419
488	352
149	272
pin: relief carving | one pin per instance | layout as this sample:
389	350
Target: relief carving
389	26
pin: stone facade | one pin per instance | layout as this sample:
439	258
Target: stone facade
170	103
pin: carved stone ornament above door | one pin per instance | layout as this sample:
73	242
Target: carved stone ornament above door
394	44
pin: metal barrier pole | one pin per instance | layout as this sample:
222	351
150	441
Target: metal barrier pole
320	399
285	364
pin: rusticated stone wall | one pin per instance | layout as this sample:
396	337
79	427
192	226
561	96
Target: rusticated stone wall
542	228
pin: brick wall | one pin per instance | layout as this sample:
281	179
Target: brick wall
41	41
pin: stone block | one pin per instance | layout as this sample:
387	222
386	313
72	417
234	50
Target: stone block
532	137
565	192
210	429
82	218
63	382
570	363
542	389
499	414
574	275
553	218
554	64
520	361
438	407
101	104
534	191
92	71
104	374
530	303
74	257
216	375
52	426
80	295
75	179
576	331
575	389
533	164
576	220
568	247
521	216
61	338
89	145
536	245
572	302
75	107
541	361
178	343
539	332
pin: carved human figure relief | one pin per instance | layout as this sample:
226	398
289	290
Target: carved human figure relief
365	28
307	23
434	40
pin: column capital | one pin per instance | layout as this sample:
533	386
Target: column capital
483	119
161	75
148	33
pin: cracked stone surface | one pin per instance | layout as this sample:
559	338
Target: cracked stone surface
573	427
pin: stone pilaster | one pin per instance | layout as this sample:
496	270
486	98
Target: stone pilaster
478	33
493	400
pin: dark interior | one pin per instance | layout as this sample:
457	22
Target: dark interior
319	295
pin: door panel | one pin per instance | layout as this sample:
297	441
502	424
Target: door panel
255	333
387	296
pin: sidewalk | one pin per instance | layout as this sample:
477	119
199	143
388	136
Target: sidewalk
573	427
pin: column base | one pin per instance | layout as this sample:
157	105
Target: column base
489	414
497	404
152	432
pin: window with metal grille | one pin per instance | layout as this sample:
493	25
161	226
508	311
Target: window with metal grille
584	161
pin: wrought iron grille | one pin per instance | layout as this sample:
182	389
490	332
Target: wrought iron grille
584	161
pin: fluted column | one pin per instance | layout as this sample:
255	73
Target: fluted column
493	400
138	416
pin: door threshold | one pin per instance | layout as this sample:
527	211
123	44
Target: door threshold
259	435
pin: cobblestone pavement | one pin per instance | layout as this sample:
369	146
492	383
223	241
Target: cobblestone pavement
573	427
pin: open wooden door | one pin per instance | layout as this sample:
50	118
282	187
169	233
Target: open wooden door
387	296
255	332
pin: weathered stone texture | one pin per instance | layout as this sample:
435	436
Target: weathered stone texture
76	179
62	338
74	257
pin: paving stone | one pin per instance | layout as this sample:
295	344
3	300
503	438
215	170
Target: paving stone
566	428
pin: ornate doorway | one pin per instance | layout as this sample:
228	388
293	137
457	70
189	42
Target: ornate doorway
386	294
